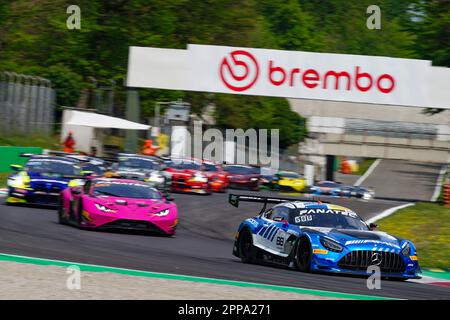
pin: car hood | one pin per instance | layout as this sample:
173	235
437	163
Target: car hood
133	171
37	179
357	237
233	176
183	171
292	179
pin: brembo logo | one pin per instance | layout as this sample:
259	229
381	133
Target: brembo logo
240	70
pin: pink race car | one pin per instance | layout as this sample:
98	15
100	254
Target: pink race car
104	204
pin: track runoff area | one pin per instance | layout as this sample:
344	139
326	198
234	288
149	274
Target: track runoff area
200	251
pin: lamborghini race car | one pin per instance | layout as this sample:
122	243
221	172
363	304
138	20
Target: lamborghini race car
41	180
108	203
320	237
141	167
187	175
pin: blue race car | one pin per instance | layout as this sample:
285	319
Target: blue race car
320	237
41	179
325	188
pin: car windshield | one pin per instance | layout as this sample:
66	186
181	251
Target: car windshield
328	184
328	218
98	170
240	170
184	164
138	163
126	190
52	168
289	175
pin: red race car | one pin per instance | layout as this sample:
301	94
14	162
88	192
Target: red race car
187	175
243	177
217	177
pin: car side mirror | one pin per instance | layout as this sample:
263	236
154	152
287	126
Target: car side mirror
373	226
76	191
16	167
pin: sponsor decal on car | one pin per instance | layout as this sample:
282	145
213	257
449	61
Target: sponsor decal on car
371	242
320	251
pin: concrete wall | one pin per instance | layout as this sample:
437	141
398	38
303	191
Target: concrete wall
308	108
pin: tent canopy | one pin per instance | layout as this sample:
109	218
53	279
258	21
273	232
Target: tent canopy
95	120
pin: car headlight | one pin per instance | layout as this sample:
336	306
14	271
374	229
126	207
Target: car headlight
162	213
103	208
331	245
76	183
156	177
19	181
253	179
406	249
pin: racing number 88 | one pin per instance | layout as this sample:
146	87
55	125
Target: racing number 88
280	241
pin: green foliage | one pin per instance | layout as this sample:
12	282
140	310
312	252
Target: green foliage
260	113
67	83
42	141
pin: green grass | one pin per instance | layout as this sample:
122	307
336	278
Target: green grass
43	141
364	165
427	225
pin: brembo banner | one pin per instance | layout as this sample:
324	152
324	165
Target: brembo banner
277	73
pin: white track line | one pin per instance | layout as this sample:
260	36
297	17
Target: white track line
388	212
437	189
367	173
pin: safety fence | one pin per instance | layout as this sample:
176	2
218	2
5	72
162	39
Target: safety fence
27	104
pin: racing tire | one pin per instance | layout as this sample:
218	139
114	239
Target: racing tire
246	247
303	255
396	279
80	210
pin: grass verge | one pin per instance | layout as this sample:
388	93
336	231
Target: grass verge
3	178
43	141
427	225
364	166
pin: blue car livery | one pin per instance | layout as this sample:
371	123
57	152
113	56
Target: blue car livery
41	180
320	237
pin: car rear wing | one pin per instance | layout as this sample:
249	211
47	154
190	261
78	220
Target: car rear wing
234	200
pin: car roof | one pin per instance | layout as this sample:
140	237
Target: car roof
293	205
56	158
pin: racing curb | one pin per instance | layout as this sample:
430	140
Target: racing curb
3	191
132	272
